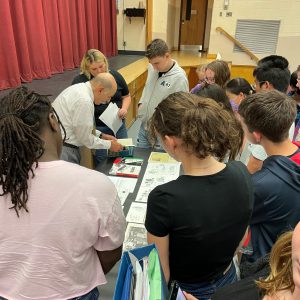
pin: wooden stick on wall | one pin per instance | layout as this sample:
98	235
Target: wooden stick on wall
149	18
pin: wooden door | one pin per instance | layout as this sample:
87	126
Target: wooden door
193	19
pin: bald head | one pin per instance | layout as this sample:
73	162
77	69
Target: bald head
104	87
105	80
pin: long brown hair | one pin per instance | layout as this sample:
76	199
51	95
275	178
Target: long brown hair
281	277
206	128
221	70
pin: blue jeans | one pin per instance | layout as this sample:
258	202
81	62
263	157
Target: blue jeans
92	295
101	154
205	290
143	140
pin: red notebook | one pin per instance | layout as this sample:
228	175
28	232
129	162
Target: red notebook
126	166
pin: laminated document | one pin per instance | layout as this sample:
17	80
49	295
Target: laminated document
135	236
137	213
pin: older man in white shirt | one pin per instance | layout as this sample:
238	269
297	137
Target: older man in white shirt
75	108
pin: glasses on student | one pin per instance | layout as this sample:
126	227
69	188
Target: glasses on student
209	80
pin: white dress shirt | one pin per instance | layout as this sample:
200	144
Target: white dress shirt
75	108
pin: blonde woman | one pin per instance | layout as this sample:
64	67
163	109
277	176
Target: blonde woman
93	63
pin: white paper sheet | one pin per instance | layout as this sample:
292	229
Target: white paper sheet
135	236
122	196
137	213
124	184
146	285
110	117
161	157
137	270
126	142
162	169
156	174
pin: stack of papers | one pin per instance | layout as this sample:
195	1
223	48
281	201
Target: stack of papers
126	166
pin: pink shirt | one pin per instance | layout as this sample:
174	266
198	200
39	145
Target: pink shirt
49	253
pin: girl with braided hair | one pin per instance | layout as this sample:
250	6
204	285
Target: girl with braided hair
198	220
62	225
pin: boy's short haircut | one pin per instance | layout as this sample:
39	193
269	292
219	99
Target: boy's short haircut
274	61
157	47
274	69
269	113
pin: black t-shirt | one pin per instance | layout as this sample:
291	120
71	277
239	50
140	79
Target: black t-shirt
122	90
205	217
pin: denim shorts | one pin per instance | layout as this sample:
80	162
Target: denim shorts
205	290
92	295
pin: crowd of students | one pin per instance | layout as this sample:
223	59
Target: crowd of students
239	191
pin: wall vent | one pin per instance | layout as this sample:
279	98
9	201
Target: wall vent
259	36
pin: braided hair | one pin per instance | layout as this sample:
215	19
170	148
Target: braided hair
23	114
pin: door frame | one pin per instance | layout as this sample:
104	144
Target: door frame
205	18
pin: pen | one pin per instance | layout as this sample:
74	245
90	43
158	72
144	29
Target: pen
121	167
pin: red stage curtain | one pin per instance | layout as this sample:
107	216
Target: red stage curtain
43	37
